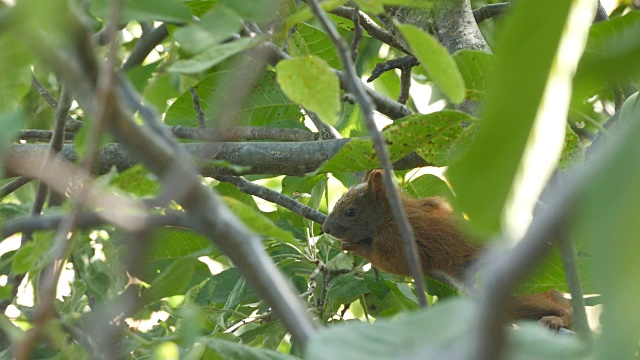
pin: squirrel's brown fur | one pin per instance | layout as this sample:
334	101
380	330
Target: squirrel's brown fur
363	221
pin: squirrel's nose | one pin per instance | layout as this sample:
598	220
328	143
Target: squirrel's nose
326	229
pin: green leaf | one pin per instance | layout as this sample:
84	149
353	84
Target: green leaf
430	135
258	222
265	104
214	55
6	292
613	45
437	61
428	186
573	151
377	6
401	338
173	11
521	115
308	40
310	82
609	210
175	243
474	67
15	73
29	254
226	284
11	123
223	349
258	11
346	289
171	281
216	26
137	181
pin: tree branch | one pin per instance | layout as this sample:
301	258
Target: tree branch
146	43
13	186
488	11
569	256
89	220
285	158
371	27
354	85
275	197
406	62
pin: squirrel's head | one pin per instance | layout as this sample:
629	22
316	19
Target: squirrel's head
357	216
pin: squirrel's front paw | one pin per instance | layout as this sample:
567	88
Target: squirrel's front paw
553	322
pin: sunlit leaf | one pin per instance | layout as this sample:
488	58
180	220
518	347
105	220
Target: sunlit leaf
522	115
146	10
310	82
213	55
436	60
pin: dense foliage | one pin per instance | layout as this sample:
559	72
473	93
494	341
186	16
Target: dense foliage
143	239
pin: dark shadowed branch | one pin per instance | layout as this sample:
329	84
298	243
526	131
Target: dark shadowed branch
275	197
488	11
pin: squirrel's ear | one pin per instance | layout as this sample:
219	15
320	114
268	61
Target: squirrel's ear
374	182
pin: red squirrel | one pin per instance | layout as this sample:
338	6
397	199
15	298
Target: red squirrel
363	222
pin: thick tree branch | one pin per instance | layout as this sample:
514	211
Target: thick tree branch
456	28
285	158
89	220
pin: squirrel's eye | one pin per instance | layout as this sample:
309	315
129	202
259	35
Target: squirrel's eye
351	212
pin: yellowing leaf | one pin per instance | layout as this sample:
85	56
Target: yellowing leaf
310	82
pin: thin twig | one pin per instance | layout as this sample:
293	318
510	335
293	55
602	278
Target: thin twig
488	11
370	26
357	34
354	85
146	43
275	197
406	62
14	185
320	268
197	107
325	131
405	85
290	33
72	124
569	256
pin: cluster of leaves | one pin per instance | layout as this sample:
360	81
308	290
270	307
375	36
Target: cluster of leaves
212	316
